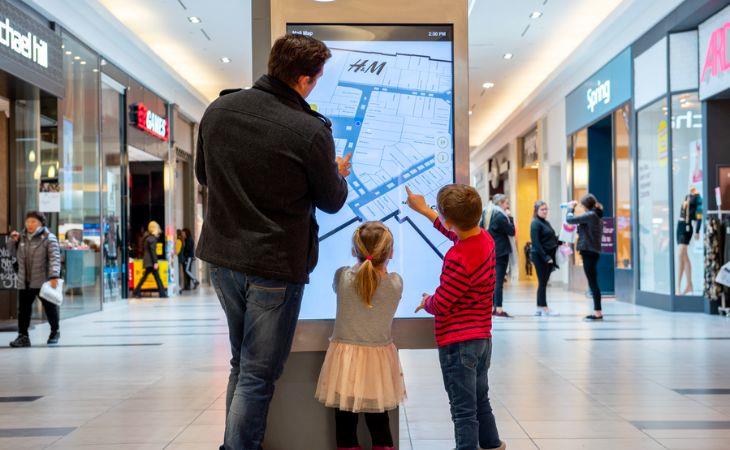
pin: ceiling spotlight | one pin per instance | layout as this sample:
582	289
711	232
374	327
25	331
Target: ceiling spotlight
470	113
68	52
324	1
83	63
535	15
508	56
95	70
488	85
194	19
225	60
77	57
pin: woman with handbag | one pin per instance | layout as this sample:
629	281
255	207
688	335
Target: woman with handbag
39	261
543	254
150	259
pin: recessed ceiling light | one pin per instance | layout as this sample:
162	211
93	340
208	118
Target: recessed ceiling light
488	85
77	57
83	63
68	52
324	1
194	19
94	70
508	56
535	15
470	112
225	60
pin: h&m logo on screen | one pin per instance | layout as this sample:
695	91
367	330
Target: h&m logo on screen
27	45
361	65
602	93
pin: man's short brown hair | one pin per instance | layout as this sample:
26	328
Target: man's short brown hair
296	55
461	205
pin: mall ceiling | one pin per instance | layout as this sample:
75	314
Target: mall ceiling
194	36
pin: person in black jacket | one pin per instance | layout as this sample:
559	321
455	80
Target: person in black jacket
544	249
188	257
590	234
150	260
268	162
501	227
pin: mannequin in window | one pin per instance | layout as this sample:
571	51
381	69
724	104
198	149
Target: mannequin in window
690	217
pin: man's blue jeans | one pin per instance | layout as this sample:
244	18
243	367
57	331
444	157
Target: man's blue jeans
262	316
464	366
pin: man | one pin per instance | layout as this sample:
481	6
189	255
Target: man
268	160
502	227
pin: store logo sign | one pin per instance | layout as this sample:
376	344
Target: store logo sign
149	122
601	94
717	58
27	44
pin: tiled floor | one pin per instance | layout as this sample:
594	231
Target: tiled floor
151	375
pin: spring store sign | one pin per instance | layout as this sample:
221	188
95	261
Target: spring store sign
714	64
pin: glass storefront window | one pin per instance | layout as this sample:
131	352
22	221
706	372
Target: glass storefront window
580	174
79	224
653	179
688	187
112	113
622	186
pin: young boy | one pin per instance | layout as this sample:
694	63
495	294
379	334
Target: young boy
462	306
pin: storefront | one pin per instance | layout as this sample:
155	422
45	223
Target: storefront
598	124
85	143
714	93
682	112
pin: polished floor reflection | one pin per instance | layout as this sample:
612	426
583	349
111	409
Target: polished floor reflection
151	375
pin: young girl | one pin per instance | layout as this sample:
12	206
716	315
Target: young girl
361	371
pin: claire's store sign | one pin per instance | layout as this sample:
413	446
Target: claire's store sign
600	94
715	54
149	122
30	49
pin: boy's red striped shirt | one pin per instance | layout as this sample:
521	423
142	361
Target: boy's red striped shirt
462	304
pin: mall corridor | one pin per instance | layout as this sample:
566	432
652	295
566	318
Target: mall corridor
152	375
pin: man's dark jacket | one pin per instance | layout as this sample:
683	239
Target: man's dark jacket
501	228
268	160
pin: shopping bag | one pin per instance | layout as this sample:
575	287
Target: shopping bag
49	294
723	275
567	233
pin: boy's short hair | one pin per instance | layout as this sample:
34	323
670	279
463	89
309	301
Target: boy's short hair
461	205
294	55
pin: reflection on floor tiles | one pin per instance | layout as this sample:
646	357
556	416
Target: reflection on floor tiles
642	380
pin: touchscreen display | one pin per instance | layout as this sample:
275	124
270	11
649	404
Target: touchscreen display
388	91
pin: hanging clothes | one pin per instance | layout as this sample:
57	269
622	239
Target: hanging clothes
715	250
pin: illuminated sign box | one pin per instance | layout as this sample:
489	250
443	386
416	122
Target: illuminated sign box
149	122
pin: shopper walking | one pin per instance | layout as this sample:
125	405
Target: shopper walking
188	253
542	253
590	234
501	227
150	259
267	160
39	260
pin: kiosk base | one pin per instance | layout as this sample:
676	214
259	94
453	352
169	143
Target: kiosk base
297	421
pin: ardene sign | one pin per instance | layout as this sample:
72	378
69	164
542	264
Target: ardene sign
149	122
715	54
30	50
600	94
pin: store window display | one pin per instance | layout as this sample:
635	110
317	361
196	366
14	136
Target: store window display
653	175
687	185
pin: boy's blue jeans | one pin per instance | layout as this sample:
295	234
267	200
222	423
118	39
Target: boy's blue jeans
262	316
464	366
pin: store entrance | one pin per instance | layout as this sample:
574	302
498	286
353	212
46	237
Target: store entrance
601	166
146	203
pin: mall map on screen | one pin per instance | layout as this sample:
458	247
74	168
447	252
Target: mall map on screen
388	91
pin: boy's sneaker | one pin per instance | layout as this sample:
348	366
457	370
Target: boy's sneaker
593	318
53	338
21	341
502	446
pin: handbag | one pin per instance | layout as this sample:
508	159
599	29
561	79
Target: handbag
49	294
723	275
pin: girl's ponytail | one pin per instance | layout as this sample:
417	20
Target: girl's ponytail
372	245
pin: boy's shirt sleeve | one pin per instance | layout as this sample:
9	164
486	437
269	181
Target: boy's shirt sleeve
455	282
442	229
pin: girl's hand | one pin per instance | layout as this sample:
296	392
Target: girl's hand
424	297
53	283
573	204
